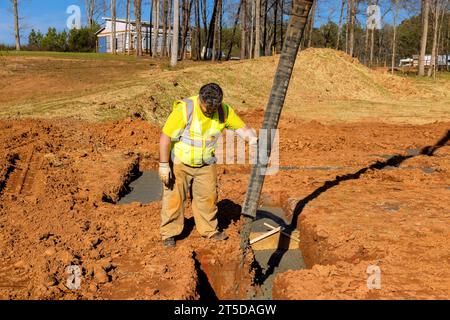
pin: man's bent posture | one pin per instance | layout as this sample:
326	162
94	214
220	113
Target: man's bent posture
187	147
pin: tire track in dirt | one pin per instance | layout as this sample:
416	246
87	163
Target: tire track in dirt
22	177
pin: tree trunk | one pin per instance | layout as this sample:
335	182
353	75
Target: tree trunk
366	45
150	34
347	25
113	22
219	36
137	13
265	27
16	24
126	35
175	34
197	26
257	28
251	34
211	31
90	6
169	26
234	30
340	25
311	24
281	23
164	26
186	19
394	40
436	13
215	29
275	14
205	26
423	41
243	28
274	107
440	45
156	27
351	38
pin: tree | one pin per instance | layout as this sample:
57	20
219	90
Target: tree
340	25
243	28
164	26
175	34
236	19
113	26
311	24
156	27
16	24
257	28
127	38
82	40
35	40
90	8
394	38
198	29
423	41
205	24
95	9
137	14
351	37
187	5
438	5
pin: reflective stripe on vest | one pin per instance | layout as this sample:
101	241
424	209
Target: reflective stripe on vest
194	147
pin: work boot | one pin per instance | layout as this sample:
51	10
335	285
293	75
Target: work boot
219	236
169	242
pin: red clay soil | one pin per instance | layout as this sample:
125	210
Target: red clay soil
59	181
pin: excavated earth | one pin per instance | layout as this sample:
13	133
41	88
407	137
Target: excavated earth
361	194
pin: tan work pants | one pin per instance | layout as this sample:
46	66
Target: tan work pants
204	194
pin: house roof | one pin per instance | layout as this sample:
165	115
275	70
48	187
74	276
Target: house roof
101	29
144	23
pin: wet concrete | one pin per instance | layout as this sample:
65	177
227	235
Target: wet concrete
273	261
145	189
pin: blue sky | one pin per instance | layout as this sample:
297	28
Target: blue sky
42	14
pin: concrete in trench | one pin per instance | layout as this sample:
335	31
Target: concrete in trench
148	188
145	189
274	260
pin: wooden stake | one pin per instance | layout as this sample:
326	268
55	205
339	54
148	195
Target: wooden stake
285	233
265	235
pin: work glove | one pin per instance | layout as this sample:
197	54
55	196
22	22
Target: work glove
164	172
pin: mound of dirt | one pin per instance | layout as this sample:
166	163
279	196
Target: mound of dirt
331	74
320	75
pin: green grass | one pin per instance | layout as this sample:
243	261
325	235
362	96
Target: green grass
441	75
69	55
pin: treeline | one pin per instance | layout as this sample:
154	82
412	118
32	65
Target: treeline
220	29
76	40
407	40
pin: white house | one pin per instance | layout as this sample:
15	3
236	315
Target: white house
104	37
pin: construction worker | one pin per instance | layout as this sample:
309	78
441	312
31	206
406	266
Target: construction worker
187	159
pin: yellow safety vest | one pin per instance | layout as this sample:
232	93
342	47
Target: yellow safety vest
195	146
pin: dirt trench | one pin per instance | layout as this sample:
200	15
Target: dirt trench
61	182
59	207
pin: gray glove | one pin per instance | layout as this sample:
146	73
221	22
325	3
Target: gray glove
164	172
